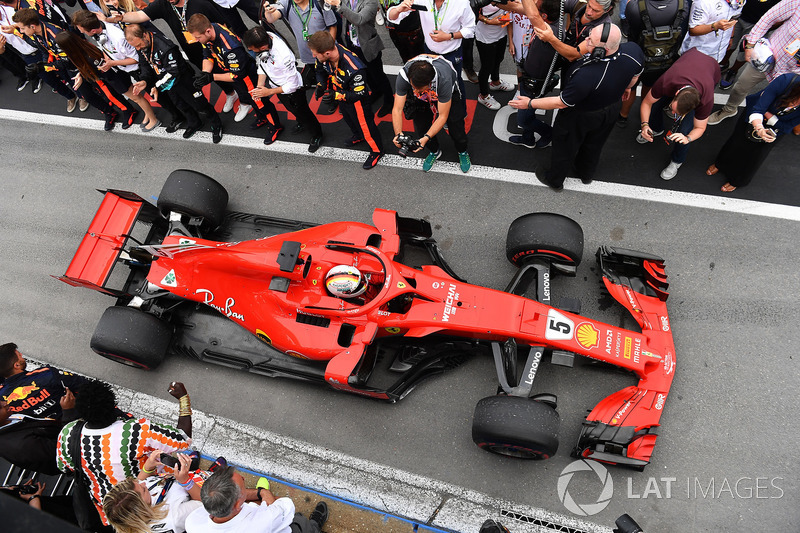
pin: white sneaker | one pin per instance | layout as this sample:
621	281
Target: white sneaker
502	85
489	102
719	116
671	171
230	99
244	109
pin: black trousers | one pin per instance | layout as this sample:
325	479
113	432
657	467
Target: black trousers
579	136
491	55
378	82
11	60
409	44
191	103
423	118
358	115
297	105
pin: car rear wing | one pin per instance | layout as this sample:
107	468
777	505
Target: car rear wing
105	240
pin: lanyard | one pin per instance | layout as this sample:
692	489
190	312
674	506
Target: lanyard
303	21
182	14
437	21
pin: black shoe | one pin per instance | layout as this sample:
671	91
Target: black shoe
622	122
298	128
586	181
111	119
354	140
216	134
22	83
272	135
472	76
372	160
319	514
190	131
36	86
316	142
546	180
625	27
174	126
259	122
128	118
492	526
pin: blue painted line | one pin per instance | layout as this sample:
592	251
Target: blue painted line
416	525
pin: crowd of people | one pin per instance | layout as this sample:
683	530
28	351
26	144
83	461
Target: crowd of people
130	474
109	55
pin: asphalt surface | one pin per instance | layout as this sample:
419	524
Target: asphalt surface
726	451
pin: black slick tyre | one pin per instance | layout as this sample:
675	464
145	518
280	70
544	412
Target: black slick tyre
516	427
132	337
194	194
556	236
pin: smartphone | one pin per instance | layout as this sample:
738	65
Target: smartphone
168	460
418	7
735	17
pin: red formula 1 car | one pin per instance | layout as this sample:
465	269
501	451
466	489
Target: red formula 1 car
374	309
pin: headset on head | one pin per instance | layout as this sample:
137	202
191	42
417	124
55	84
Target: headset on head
599	52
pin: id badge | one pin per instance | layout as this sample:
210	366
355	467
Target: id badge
189	38
305	35
793	48
526	39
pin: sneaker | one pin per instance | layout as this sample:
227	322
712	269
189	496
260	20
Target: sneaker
195	456
464	161
319	514
316	142
427	165
501	85
220	462
727	80
671	171
720	115
71	104
492	526
272	135
36	86
489	102
83	105
471	75
622	122
216	134
190	131
372	160
260	122
111	119
128	118
519	140
230	99
642	140
174	126
244	109
22	83
544	142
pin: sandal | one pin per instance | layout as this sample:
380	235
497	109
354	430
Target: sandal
712	170
728	188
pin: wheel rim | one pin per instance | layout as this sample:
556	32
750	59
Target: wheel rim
514	451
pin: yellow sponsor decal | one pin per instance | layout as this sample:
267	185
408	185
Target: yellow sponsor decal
627	350
588	336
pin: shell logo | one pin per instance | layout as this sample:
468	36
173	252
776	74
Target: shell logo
588	336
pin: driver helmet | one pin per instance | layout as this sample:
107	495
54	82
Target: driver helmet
763	59
345	281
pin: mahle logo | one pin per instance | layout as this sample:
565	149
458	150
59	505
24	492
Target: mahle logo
585	509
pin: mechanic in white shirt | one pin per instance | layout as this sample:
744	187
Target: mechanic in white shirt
711	25
26	52
444	24
121	59
278	75
225	509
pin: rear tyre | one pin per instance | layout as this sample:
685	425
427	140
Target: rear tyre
516	427
194	194
558	237
132	337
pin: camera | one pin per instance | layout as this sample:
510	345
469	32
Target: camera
626	524
407	144
27	489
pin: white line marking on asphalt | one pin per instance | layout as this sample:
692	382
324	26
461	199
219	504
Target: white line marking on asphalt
634	192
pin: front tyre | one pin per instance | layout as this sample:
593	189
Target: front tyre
132	337
555	236
194	194
516	427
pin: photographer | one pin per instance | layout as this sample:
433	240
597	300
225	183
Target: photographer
428	94
33	494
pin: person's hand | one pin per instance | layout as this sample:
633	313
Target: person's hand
269	8
394	139
138	87
181	470
202	79
261	92
724	25
77	81
440	36
106	65
2	45
40	487
767	135
679	138
647	133
748	53
152	462
422	142
68	400
154	94
319	92
7	28
511	48
177	390
545	34
520	102
404	6
114	19
495	21
333	3
626	95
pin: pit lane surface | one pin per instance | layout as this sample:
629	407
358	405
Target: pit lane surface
726	451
